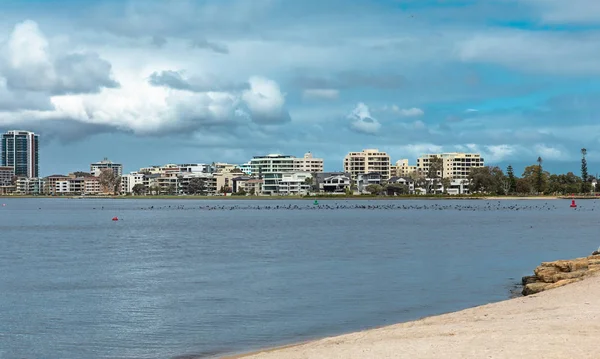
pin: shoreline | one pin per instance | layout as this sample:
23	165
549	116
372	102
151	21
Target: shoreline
557	323
312	198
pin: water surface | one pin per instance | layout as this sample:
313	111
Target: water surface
205	278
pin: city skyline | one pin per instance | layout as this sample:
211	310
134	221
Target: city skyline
150	82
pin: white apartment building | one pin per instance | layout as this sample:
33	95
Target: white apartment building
130	180
271	168
368	161
106	164
294	183
30	186
456	165
402	168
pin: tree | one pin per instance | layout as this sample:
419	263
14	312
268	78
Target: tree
172	190
396	188
225	189
536	177
109	181
487	179
81	174
197	186
374	189
540	182
511	180
446	183
523	186
434	174
585	187
564	183
138	189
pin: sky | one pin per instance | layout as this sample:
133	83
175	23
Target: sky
149	82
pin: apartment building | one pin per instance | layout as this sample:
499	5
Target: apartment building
6	175
456	165
246	168
30	186
130	180
294	183
308	164
272	167
20	151
402	168
368	161
106	164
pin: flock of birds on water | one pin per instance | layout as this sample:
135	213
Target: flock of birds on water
488	206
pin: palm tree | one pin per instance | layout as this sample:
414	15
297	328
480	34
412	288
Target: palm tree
539	175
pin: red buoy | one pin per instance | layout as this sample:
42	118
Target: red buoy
573	205
115	218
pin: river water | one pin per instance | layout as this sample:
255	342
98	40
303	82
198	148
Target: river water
205	278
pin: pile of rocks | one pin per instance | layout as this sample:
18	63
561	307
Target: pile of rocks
551	275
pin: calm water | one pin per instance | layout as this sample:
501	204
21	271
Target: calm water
171	282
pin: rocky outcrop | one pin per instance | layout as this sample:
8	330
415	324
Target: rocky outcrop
549	275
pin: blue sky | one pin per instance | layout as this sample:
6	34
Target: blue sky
152	82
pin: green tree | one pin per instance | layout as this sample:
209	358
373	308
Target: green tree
196	186
540	181
374	189
487	179
138	189
434	174
395	188
512	181
585	185
536	177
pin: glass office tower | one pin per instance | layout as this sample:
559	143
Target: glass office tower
20	151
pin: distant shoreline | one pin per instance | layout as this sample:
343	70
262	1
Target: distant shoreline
319	198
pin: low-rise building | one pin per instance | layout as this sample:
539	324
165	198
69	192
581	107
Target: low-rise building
365	179
7	175
405	181
294	183
249	185
30	186
332	182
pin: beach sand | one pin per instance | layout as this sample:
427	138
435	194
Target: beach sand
559	323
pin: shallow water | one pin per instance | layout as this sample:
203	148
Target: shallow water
203	278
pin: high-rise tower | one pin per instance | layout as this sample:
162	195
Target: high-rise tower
20	151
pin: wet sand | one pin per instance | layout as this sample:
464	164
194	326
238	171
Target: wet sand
560	323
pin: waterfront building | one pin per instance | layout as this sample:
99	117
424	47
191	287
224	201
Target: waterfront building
363	180
30	186
367	161
106	164
294	183
456	165
7	174
402	168
272	167
406	181
332	182
20	150
249	185
128	181
52	186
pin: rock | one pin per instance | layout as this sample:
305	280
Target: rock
529	279
533	288
549	275
595	253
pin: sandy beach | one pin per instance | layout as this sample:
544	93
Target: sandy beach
559	323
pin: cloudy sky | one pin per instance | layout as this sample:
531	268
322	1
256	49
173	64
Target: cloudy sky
154	81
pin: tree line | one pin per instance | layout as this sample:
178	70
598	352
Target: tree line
534	180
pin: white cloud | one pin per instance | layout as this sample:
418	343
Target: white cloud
265	101
321	94
29	64
549	152
362	121
404	112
